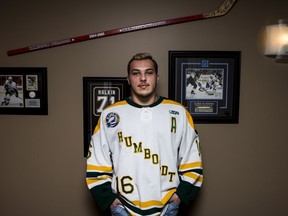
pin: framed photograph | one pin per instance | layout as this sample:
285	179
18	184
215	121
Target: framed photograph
98	93
23	91
207	83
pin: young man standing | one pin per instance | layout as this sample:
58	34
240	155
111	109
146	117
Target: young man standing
144	153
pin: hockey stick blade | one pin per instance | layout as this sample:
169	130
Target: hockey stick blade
224	8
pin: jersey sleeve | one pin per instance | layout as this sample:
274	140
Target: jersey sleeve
99	168
190	164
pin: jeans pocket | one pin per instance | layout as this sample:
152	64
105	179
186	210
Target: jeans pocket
172	209
119	210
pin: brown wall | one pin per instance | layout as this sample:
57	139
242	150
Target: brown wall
41	157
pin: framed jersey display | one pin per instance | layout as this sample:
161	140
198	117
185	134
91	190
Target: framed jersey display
23	91
98	93
207	83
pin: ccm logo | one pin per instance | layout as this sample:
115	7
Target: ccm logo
174	112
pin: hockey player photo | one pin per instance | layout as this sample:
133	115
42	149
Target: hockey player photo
32	82
204	84
191	84
11	91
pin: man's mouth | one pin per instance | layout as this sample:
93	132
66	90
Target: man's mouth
143	85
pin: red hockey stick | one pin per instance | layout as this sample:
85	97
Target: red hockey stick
222	10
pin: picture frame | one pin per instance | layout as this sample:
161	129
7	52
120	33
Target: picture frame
23	91
207	83
98	93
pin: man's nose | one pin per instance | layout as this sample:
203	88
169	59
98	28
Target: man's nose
143	77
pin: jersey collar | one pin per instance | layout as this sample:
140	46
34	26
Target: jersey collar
132	103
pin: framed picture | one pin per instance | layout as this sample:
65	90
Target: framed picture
23	91
207	83
98	93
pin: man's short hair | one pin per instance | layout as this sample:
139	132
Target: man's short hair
143	56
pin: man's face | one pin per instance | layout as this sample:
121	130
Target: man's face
142	78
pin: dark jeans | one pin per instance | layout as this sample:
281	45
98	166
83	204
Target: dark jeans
119	210
172	209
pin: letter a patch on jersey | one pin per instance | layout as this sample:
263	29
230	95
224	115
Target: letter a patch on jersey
173	125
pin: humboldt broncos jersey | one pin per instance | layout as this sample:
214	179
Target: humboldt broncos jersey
143	155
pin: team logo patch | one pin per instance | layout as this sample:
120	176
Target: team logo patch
173	112
112	120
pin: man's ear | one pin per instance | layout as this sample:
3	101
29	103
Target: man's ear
128	80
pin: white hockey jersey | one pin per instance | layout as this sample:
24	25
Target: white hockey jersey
142	155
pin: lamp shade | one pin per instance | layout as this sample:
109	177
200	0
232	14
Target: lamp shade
277	40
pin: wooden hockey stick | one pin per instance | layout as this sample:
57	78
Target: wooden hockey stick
221	11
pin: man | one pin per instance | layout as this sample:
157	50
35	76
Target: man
191	81
10	90
145	157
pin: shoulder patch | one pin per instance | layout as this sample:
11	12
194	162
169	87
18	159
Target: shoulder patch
112	119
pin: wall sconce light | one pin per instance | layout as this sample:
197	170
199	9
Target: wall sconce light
277	41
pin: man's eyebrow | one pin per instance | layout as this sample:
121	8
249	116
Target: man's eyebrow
150	69
147	69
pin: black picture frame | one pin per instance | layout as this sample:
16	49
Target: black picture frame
207	83
98	93
23	91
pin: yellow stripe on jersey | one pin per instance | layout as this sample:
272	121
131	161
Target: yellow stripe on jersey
99	168
190	120
190	166
168	196
153	203
91	181
194	176
97	127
